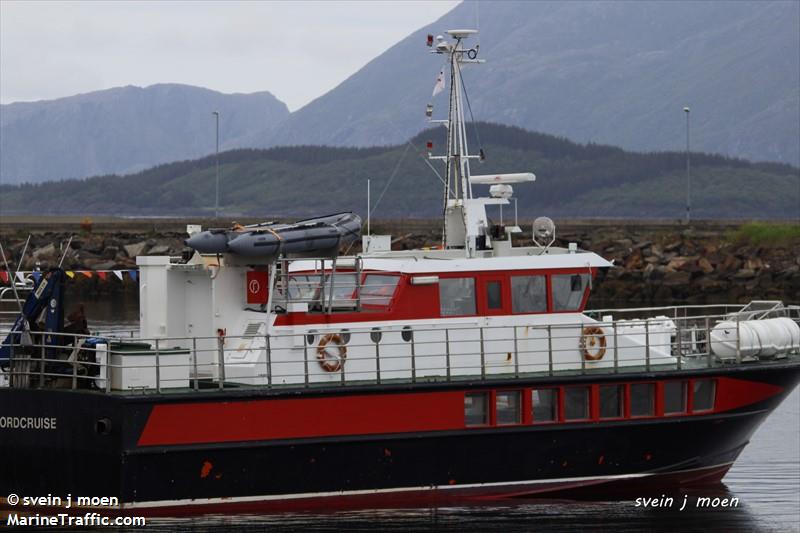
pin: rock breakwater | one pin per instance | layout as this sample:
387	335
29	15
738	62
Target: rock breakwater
655	263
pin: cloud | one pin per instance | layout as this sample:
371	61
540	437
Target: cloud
296	50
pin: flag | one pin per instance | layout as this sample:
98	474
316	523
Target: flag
132	274
86	273
102	275
70	274
118	273
36	275
439	87
21	277
4	277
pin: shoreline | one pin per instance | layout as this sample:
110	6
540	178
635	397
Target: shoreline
707	261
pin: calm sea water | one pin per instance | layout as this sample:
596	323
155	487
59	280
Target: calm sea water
765	479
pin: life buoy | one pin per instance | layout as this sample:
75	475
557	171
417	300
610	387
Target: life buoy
328	360
592	337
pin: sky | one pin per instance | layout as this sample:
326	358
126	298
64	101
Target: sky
295	50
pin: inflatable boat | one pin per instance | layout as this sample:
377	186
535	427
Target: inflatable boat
319	235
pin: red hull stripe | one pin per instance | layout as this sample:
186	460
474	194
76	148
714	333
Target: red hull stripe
194	423
735	393
450	495
297	418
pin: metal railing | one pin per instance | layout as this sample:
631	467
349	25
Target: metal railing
9	304
413	353
331	284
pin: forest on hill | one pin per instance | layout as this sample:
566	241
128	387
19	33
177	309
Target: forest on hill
573	180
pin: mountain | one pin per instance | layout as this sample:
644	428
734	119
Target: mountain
608	72
573	180
126	129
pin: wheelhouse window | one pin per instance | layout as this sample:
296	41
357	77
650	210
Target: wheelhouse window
508	406
457	296
643	399
576	403
475	409
675	397
545	405
528	294
611	401
378	289
568	291
494	295
704	391
304	288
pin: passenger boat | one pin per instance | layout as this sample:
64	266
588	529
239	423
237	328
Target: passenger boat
300	377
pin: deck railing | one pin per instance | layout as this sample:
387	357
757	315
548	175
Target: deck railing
379	355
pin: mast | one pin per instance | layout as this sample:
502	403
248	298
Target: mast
457	187
466	225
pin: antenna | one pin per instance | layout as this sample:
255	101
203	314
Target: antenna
544	230
368	205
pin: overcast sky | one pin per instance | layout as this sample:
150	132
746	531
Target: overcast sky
295	50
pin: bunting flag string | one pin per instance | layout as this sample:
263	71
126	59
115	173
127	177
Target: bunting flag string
103	275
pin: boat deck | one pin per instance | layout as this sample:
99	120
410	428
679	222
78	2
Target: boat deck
116	364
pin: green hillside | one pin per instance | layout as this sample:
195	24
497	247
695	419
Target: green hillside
573	180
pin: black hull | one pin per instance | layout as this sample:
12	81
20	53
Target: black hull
78	458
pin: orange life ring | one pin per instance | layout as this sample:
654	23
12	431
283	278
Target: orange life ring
327	360
595	337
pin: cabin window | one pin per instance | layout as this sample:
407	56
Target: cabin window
576	403
508	408
611	401
704	391
457	296
494	297
303	288
568	291
643	399
545	405
378	289
674	397
475	412
528	294
344	287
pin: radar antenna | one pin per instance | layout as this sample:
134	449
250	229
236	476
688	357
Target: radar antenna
544	233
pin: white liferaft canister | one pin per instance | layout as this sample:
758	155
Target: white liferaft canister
767	337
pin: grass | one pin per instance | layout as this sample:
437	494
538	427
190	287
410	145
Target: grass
766	233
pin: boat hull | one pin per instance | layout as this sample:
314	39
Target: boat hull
82	456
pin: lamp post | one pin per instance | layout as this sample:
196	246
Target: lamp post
688	172
216	202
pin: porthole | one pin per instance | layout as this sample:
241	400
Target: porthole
376	335
345	336
407	333
310	338
103	426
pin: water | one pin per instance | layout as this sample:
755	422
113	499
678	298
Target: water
765	479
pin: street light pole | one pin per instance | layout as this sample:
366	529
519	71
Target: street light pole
688	172
216	202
